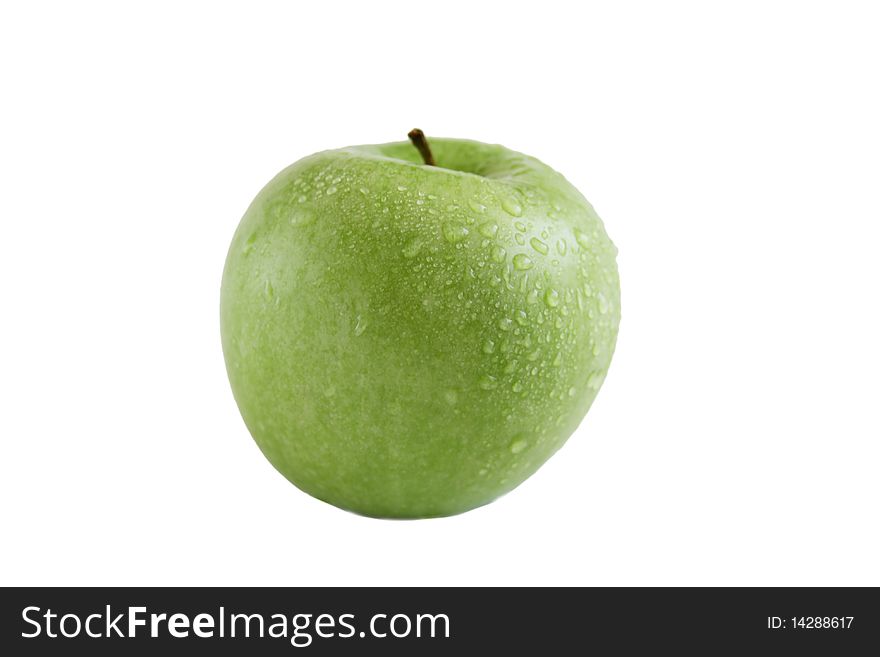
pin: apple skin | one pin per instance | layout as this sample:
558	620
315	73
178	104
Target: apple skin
409	341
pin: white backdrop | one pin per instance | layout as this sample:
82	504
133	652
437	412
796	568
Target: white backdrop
731	148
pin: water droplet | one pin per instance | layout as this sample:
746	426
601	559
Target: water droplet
539	246
360	326
269	291
511	207
521	318
517	387
364	191
534	355
330	391
451	397
604	306
488	382
561	246
482	472
401	188
520	226
595	380
412	249
582	239
302	217
454	232
518	445
532	297
551	298
510	368
489	229
520	239
498	253
488	347
572	391
331	190
420	202
522	262
476	207
505	324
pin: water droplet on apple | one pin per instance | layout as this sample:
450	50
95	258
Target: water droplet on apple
520	226
364	191
249	243
483	472
572	391
505	324
510	368
498	253
302	217
412	249
522	318
551	298
269	291
488	347
476	207
451	397
488	382
539	246
561	246
489	229
518	445
517	387
522	262
595	380
520	239
604	306
582	239
360	326
511	207
331	190
401	188
454	232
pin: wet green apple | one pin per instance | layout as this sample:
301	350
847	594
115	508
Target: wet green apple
409	340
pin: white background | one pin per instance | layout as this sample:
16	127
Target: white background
732	149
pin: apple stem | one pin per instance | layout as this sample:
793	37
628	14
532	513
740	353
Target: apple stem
417	137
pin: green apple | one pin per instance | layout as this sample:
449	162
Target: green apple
406	340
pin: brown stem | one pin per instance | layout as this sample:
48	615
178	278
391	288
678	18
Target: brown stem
417	137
